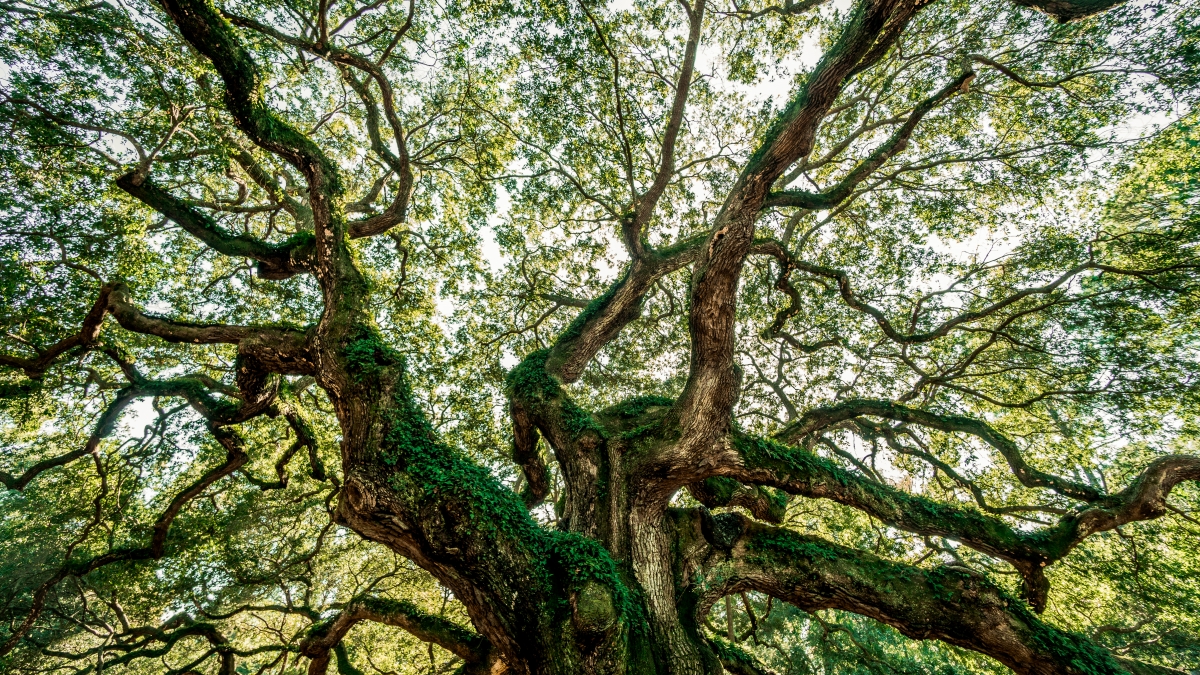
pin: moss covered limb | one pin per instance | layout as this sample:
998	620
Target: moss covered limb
962	609
203	26
801	472
529	590
527	456
325	635
538	403
604	317
792	134
275	261
764	503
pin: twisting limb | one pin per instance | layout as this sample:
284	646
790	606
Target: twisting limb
400	163
88	333
709	395
816	419
235	458
104	427
326	635
527	456
784	285
205	29
396	212
800	472
897	143
944	604
275	261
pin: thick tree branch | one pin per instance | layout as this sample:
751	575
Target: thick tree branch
275	261
284	350
603	318
941	603
526	454
800	472
324	636
764	503
1069	10
895	144
206	30
708	397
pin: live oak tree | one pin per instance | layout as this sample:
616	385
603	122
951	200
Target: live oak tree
579	338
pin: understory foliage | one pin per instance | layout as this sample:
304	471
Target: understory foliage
670	336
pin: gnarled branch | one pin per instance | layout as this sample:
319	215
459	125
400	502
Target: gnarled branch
326	635
941	603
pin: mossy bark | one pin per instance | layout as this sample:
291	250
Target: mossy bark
621	584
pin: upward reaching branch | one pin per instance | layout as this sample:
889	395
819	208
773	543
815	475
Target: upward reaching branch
644	207
710	391
204	27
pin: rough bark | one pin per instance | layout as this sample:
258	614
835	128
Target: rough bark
624	582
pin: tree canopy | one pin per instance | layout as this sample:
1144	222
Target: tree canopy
676	336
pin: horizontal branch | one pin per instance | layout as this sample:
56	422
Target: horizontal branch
275	261
326	635
945	604
801	472
284	349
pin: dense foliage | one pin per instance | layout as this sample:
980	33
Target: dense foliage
669	336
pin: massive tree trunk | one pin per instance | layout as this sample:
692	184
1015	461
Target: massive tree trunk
623	583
